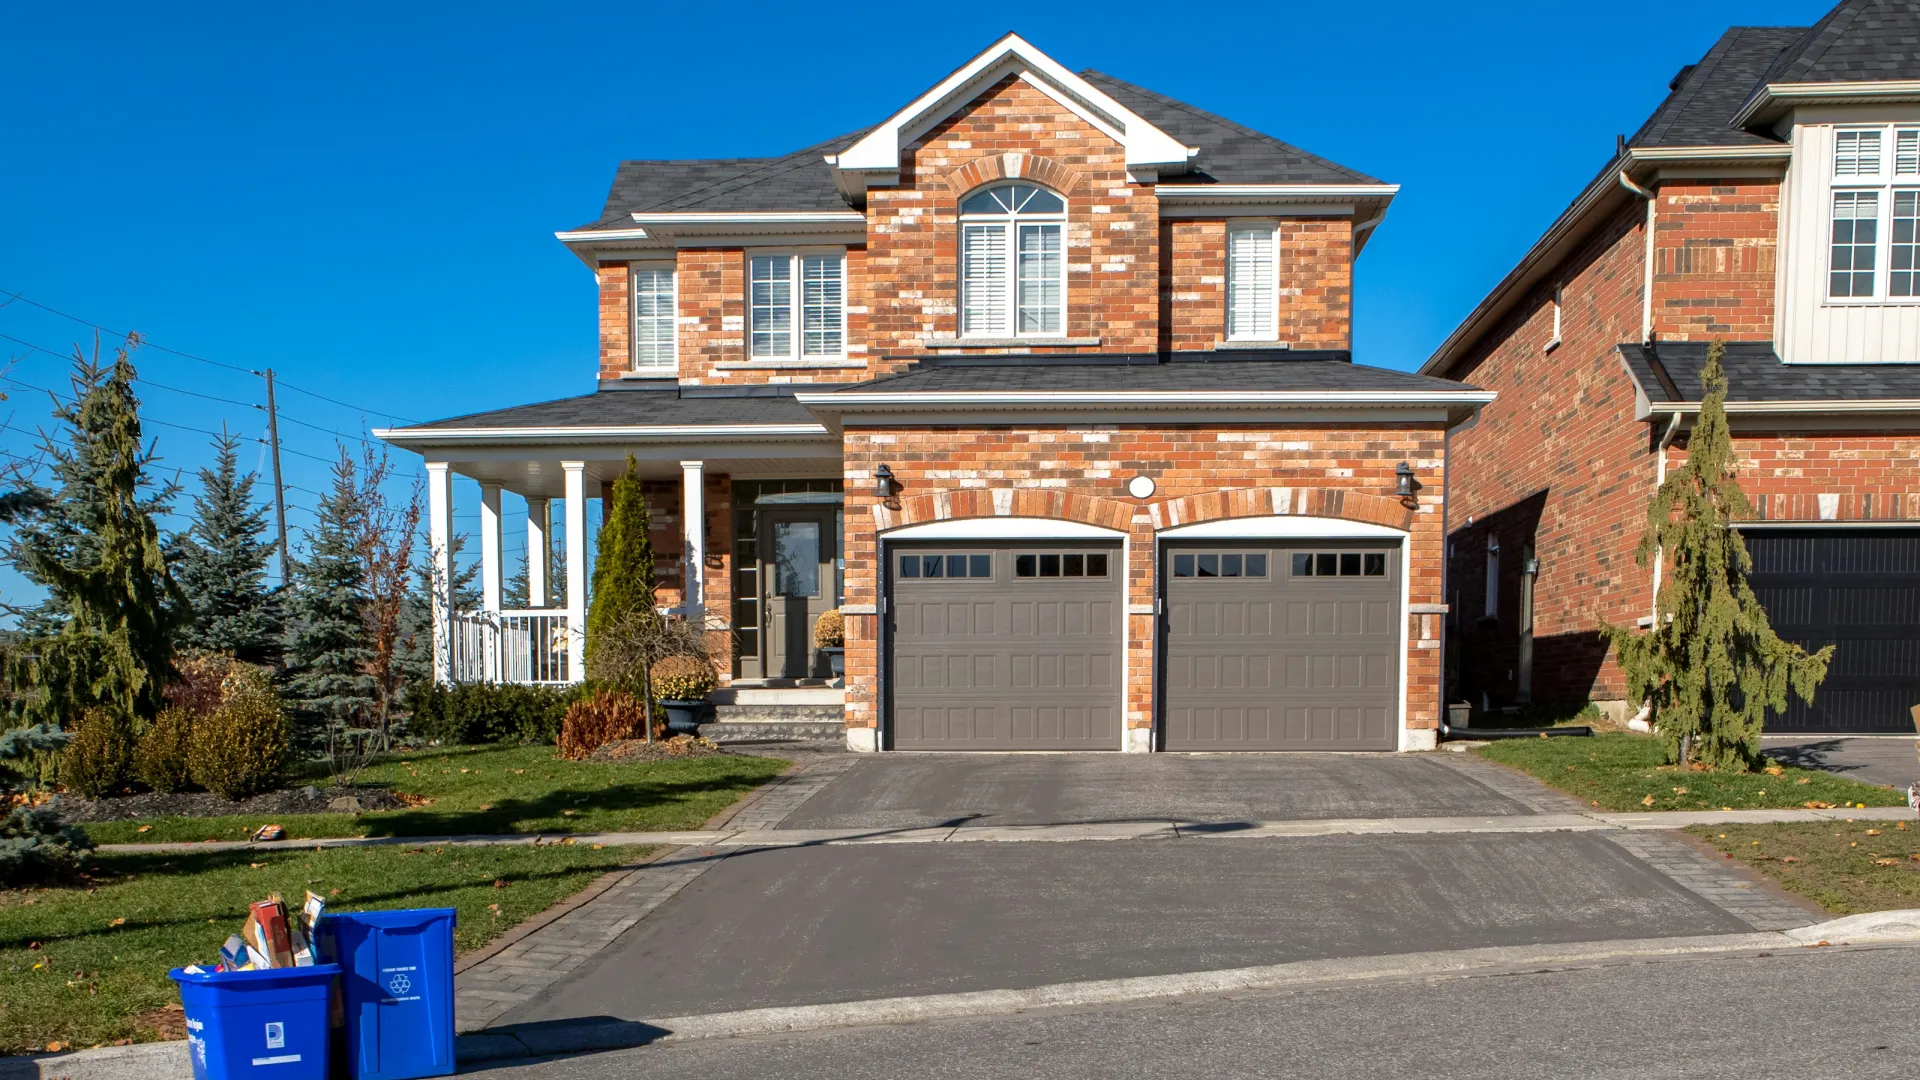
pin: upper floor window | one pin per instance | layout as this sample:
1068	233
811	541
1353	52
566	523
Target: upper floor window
816	285
654	318
1252	283
1013	262
1872	243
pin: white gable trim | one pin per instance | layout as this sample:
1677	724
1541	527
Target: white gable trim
1149	150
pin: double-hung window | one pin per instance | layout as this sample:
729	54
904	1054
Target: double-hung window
1252	282
1873	250
654	319
796	306
1013	263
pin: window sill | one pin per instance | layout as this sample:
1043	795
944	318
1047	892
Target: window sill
1252	343
1005	343
761	365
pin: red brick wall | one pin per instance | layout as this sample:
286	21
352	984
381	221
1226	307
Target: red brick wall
1713	259
1864	475
615	322
1080	473
1316	283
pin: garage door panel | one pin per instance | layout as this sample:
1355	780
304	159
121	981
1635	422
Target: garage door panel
1005	661
1274	662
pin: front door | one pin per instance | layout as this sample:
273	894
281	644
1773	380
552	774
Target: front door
796	569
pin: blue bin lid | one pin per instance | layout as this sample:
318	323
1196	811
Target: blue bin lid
265	977
403	917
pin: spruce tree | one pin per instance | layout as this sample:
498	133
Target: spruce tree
326	648
1711	666
223	564
623	568
104	637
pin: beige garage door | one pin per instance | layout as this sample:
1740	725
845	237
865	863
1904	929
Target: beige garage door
1281	647
1001	646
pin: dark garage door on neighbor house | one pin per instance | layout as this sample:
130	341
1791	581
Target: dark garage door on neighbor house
1857	589
1005	646
1276	646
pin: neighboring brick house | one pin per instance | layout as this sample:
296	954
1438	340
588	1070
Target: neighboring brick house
1043	381
1780	180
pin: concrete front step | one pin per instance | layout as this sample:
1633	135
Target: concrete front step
778	695
726	731
779	714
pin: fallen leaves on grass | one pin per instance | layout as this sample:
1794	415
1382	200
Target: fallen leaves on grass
1648	801
1816	804
144	828
1804	780
121	921
1886	862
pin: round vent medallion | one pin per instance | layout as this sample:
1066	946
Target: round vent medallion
1140	487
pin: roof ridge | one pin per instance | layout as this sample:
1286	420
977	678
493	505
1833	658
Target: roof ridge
1837	20
1232	125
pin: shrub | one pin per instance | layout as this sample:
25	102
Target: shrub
488	712
238	749
196	687
830	630
682	678
161	758
597	720
99	759
36	848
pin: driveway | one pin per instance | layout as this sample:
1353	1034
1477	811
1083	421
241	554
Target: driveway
903	791
1876	759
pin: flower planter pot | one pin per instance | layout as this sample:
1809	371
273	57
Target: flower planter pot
836	661
683	717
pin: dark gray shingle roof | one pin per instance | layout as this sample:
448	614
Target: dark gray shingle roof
1857	41
639	408
1013	376
1229	152
1704	100
1670	371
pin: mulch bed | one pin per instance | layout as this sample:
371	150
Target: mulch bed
680	746
302	800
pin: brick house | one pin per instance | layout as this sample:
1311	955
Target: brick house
1044	381
1770	202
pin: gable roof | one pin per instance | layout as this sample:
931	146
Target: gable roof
1705	96
1230	153
1857	41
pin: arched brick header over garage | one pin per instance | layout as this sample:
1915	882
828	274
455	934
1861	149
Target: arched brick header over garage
1118	514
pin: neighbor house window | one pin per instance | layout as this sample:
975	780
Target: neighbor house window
653	318
1252	281
1013	263
1876	207
816	286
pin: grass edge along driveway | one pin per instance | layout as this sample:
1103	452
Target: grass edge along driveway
1626	772
86	964
1846	867
485	790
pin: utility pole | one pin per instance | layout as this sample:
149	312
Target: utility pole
279	490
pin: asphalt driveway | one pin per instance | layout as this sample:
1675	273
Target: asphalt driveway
1875	759
808	925
904	791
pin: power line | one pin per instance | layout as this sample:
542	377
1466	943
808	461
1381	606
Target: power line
343	404
330	431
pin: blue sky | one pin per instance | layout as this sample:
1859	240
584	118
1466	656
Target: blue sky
363	196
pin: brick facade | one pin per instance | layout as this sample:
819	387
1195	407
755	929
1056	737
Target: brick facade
1713	259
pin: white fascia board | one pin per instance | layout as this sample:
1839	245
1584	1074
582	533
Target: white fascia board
1661	155
403	436
1272	193
1162	399
1146	145
750	218
1282	527
1824	93
1849	405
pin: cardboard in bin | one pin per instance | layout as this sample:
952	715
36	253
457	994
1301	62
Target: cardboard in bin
396	990
257	1025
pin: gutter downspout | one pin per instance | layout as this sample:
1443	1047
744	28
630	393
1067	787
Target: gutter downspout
1659	481
1646	283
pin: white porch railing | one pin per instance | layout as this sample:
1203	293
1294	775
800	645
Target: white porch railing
510	646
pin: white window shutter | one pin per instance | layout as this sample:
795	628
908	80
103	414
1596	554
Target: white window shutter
822	288
654	321
1906	153
983	280
1251	275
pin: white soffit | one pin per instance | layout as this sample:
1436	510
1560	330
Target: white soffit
1276	527
1147	146
1002	528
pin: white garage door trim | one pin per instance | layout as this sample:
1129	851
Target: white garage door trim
1011	530
1276	527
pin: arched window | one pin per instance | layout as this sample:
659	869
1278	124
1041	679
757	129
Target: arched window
1012	262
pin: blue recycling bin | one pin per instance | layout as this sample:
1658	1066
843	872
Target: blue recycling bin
257	1025
396	990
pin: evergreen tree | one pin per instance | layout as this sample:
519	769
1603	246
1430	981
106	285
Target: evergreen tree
223	564
1711	665
415	655
326	649
623	571
104	637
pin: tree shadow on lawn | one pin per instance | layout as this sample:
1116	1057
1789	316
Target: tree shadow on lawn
507	815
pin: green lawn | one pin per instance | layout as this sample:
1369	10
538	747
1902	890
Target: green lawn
81	965
1846	867
1624	772
500	789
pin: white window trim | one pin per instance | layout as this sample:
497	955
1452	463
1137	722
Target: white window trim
1011	223
1241	225
1558	306
1884	183
795	356
672	364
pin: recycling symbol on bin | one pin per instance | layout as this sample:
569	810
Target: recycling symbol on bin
399	984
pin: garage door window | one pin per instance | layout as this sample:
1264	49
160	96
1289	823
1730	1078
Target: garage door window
1073	564
945	565
1220	564
1340	564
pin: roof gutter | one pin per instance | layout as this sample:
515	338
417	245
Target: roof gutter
1846	405
1171	399
1773	99
623	432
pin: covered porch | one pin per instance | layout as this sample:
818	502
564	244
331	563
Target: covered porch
745	527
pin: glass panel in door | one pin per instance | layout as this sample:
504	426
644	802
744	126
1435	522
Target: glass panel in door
795	553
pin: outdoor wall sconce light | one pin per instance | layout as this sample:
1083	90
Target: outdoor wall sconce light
883	483
1403	473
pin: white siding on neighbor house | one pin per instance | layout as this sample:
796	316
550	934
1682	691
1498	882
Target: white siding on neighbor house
1811	325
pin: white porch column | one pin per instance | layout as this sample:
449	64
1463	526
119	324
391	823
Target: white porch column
539	514
576	495
440	563
490	576
693	520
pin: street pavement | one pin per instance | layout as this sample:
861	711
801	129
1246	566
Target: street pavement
1794	1014
1880	759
